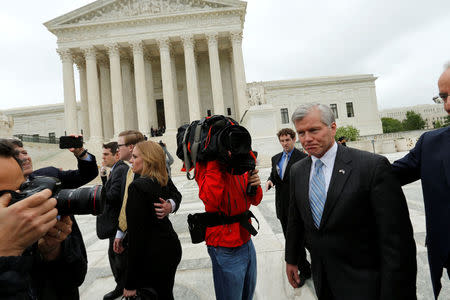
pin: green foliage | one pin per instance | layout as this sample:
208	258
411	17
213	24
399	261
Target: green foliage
391	125
447	121
413	121
437	124
350	132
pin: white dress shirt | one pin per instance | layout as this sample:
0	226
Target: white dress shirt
328	160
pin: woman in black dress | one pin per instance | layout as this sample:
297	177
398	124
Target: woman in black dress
154	247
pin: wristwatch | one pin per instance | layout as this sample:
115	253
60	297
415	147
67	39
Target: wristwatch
82	154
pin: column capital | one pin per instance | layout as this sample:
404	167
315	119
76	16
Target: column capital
65	55
212	38
236	36
90	52
103	60
149	58
113	49
137	46
164	44
188	41
80	62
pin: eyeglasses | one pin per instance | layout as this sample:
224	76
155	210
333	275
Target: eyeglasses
443	96
120	145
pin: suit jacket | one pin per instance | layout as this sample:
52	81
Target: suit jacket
108	221
172	193
282	185
60	279
430	162
153	247
364	248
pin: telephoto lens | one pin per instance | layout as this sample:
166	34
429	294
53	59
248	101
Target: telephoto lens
81	201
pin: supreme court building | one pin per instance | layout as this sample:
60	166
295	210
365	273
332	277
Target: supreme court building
164	63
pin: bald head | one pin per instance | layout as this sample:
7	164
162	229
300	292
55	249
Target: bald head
444	88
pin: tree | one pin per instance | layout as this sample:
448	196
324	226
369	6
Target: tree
437	124
350	132
391	125
413	121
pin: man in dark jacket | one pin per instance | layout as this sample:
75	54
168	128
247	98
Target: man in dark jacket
108	221
18	230
430	162
60	255
279	177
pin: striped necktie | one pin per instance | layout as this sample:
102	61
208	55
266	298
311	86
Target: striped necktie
317	192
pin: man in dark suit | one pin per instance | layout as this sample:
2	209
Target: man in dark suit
430	162
350	212
62	248
107	222
279	177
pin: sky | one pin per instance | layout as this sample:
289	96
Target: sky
403	43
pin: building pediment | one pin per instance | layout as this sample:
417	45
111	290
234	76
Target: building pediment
106	11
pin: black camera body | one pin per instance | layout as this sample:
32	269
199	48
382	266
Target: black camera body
81	201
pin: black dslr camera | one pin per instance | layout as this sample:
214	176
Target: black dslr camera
81	201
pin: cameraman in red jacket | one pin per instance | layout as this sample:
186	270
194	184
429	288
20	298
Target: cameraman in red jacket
230	247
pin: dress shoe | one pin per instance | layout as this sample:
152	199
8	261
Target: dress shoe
117	292
303	277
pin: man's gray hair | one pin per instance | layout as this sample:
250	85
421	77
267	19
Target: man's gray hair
326	116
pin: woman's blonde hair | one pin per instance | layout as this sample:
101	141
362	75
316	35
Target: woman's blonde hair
154	161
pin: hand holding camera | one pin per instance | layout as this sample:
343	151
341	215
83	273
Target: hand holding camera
25	222
50	244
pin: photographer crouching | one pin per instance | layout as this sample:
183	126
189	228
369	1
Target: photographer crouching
228	184
59	259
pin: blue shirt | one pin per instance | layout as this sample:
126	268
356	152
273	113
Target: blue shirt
283	157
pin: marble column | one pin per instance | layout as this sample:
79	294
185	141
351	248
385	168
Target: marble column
239	74
173	66
128	100
150	91
81	65
95	115
191	77
116	88
142	104
105	96
167	83
216	78
70	102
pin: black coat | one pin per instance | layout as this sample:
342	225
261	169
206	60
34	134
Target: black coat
430	162
107	222
364	248
154	250
61	278
282	191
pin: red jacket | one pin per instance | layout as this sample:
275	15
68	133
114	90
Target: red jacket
221	191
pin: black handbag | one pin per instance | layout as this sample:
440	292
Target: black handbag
143	294
197	228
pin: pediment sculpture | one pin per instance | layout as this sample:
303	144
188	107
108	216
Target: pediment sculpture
123	9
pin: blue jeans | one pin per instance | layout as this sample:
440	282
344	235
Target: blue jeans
234	271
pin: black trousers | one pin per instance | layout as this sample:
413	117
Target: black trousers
303	265
118	263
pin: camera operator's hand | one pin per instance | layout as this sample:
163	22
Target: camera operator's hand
162	209
50	244
269	185
77	151
117	246
24	222
254	178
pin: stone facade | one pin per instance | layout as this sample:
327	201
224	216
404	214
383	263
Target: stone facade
154	63
6	125
429	112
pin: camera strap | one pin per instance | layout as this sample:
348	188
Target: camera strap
212	219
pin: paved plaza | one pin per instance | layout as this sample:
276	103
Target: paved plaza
194	276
